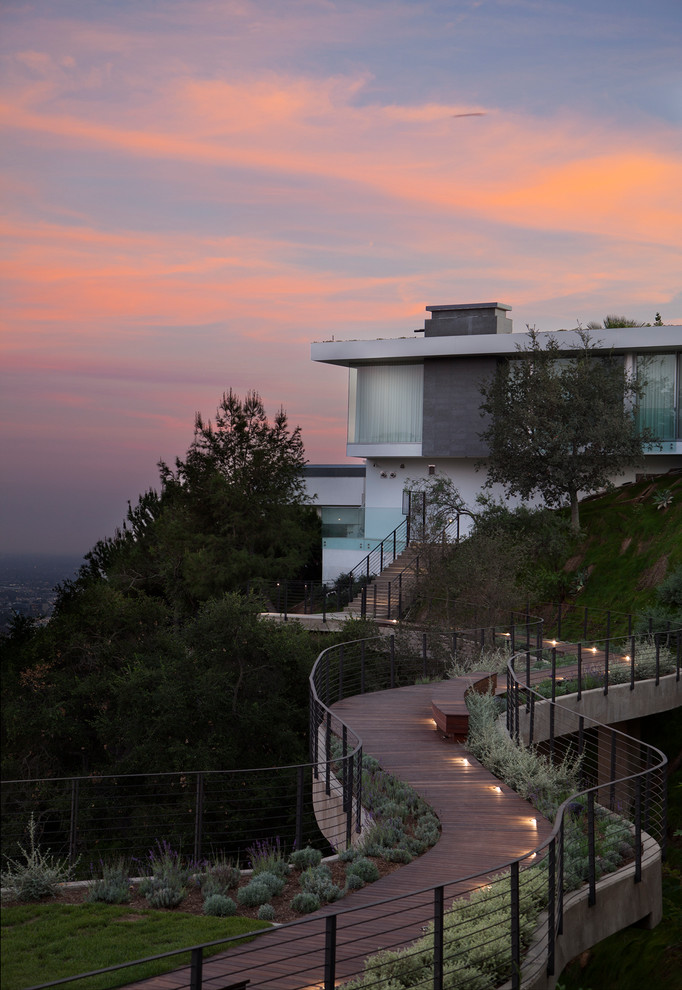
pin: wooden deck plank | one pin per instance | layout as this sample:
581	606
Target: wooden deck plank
481	830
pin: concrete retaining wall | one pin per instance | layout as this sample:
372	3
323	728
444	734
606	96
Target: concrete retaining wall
619	705
620	902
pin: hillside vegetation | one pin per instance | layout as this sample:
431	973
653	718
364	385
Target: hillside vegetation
629	545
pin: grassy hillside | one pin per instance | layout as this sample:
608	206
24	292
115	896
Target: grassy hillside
630	545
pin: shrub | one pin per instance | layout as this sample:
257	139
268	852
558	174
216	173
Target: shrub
275	885
266	912
301	859
397	855
161	893
39	876
113	887
210	886
254	894
523	769
220	875
365	869
349	854
317	880
370	764
268	856
305	902
354	882
219	906
166	865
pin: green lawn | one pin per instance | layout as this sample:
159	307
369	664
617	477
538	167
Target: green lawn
44	942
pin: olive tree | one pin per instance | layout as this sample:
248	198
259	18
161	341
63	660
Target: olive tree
562	421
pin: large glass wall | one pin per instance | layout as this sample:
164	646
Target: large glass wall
659	409
386	403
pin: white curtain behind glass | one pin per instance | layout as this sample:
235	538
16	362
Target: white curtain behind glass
389	403
657	408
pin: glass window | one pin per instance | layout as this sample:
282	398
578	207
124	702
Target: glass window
385	403
342	521
658	407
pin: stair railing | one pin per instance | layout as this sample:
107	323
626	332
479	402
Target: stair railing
396	587
380	556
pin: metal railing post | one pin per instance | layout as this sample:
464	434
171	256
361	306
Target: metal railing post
592	873
196	968
657	644
638	830
198	816
327	754
632	663
515	928
350	776
73	821
612	771
438	906
560	874
330	952
538	643
551	893
358	806
298	840
392	660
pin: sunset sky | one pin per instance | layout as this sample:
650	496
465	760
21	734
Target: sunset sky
194	190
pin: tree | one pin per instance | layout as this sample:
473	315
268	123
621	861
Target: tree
562	422
227	514
233	508
435	504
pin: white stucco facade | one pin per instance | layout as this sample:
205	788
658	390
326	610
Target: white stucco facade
414	409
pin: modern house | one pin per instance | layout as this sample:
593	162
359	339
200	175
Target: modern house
414	411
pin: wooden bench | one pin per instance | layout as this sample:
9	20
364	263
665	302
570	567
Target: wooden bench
448	705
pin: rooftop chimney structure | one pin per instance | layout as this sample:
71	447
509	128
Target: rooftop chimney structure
467	320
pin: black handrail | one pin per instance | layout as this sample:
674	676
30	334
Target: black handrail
631	788
383	554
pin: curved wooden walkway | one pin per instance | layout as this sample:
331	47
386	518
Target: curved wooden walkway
484	825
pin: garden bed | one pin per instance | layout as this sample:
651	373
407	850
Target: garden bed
193	903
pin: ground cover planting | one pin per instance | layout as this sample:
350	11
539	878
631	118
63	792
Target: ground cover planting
54	940
201	901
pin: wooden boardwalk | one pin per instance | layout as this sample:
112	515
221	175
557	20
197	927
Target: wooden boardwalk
484	825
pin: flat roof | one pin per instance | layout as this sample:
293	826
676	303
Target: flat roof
415	349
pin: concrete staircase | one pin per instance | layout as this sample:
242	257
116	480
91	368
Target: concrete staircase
390	593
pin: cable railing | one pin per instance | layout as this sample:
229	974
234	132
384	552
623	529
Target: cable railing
515	917
197	813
